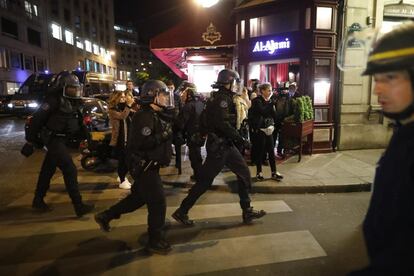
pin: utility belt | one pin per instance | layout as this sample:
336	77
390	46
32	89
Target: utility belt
137	165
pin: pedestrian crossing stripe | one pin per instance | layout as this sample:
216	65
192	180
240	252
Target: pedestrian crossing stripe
46	223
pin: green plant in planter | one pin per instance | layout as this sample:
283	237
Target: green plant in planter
302	109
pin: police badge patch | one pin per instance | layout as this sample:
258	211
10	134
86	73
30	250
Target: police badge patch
146	131
223	104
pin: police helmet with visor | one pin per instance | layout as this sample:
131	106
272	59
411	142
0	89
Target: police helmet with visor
228	76
69	84
156	91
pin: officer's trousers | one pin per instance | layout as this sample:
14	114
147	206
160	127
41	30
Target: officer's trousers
230	157
194	154
147	189
58	156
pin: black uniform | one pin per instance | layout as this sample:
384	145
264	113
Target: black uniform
389	223
56	121
178	138
149	147
221	150
189	122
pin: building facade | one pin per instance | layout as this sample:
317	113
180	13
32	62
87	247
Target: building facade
293	41
81	36
23	42
128	57
361	124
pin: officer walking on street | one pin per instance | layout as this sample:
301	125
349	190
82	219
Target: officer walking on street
56	122
222	136
148	148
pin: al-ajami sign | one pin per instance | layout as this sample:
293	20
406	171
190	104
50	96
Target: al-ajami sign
211	35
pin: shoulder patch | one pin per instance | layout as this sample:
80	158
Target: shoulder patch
223	104
45	106
146	131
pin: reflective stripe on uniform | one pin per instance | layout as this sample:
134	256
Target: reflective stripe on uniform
392	54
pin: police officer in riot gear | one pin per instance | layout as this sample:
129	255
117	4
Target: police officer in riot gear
222	136
189	122
389	223
148	148
58	120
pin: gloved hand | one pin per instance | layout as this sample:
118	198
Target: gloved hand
27	150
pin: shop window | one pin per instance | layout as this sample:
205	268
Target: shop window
12	87
321	115
34	37
28	63
321	91
88	64
69	37
56	31
15	60
9	28
323	18
322	68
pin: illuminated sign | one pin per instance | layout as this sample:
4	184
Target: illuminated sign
271	46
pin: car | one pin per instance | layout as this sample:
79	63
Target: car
31	94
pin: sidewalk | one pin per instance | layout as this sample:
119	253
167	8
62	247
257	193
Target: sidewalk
336	172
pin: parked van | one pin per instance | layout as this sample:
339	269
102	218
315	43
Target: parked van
96	85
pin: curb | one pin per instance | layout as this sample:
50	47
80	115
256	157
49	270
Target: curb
232	187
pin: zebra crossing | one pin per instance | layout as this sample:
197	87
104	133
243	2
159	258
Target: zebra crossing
189	257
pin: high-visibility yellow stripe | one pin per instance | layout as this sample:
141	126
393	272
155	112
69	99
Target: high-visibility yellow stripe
392	54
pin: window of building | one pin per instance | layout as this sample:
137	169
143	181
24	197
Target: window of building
79	42
103	51
12	87
30	9
15	60
69	37
274	23
96	66
34	37
54	7
77	21
3	4
242	29
9	28
66	15
40	64
56	31
93	31
88	46
324	18
28	63
3	58
95	49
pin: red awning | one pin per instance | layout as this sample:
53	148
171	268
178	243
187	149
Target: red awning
204	29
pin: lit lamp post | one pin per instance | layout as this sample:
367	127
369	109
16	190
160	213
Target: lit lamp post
207	3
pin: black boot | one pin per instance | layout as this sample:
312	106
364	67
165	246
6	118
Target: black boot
159	247
249	214
103	220
182	218
82	209
39	205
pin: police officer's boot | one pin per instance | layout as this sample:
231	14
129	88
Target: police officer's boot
82	209
249	214
39	204
103	220
160	246
182	218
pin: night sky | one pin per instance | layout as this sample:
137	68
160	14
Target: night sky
150	17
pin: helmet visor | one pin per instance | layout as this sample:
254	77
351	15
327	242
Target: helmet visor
237	86
165	98
72	92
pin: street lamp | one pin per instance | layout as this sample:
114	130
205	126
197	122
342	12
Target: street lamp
207	3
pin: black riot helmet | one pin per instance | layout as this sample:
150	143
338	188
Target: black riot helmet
156	91
392	52
69	84
228	76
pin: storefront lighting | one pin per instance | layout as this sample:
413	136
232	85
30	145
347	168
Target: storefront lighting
46	71
207	3
149	62
196	58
